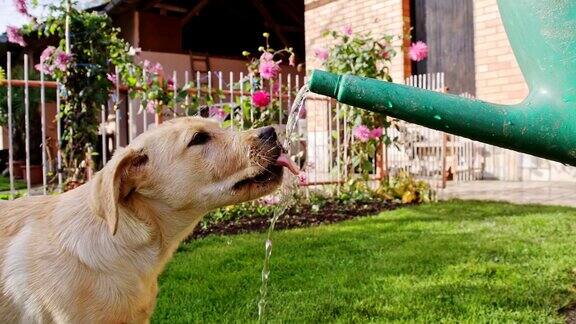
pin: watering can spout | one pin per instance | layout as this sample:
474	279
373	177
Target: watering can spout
543	36
534	127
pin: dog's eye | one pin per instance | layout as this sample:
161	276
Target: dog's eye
199	139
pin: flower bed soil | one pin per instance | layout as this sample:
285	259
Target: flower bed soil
306	216
569	313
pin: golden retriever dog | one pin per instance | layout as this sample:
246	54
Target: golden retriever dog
93	254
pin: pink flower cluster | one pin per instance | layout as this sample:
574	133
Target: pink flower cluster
321	53
418	51
268	68
302	179
53	59
347	30
15	36
112	78
261	99
21	7
156	69
363	133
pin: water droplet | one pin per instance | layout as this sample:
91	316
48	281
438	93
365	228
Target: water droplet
390	105
437	117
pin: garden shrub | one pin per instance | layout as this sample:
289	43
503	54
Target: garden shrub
405	188
402	189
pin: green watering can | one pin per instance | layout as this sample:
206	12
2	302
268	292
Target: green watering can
543	37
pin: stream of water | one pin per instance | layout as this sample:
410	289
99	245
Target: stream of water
286	196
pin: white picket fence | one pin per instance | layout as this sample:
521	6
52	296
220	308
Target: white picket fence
322	156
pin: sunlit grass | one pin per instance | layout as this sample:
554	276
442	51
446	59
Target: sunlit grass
454	261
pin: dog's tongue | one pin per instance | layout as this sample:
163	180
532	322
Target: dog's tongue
285	161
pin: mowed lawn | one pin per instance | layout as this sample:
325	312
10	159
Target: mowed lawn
5	184
450	261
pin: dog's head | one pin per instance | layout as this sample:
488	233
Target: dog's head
191	164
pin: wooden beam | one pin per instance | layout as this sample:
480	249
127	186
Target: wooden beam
172	8
136	35
150	4
317	4
194	11
270	21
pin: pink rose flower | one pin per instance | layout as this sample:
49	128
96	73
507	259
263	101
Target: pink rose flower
376	133
266	56
321	53
302	179
269	69
47	53
21	7
15	36
261	99
418	51
347	30
362	133
111	77
62	60
45	58
217	113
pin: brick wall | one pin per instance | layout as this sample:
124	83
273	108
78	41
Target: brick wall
376	16
498	77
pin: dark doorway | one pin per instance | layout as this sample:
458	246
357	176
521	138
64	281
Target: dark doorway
447	26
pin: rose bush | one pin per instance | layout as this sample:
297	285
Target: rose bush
261	87
87	75
366	56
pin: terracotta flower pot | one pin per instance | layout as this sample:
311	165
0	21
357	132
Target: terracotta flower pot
17	168
35	174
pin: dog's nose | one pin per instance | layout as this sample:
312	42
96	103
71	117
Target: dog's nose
268	134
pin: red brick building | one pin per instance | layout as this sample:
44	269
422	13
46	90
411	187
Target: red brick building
446	25
466	40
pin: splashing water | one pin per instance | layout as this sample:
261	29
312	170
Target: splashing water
294	115
285	197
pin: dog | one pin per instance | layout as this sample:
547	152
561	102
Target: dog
93	254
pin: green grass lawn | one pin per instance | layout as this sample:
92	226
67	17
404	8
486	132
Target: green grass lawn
453	261
5	184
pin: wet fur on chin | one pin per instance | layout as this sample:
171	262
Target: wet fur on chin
93	254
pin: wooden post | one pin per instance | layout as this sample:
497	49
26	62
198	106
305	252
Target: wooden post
380	172
159	117
444	153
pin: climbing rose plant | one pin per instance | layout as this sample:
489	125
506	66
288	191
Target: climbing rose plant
367	56
260	104
87	75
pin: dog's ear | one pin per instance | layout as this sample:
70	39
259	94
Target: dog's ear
114	183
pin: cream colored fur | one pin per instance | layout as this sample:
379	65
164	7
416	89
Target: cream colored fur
93	255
